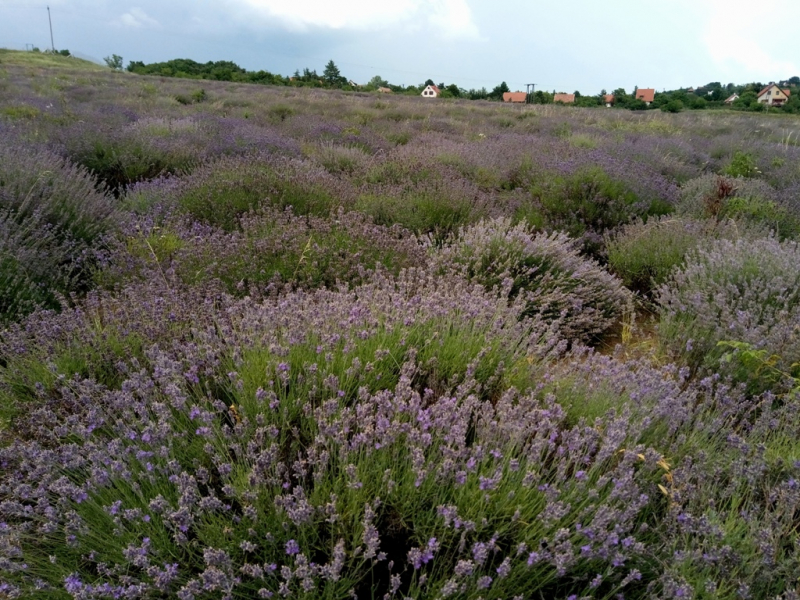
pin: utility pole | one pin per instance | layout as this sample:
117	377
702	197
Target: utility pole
49	20
529	87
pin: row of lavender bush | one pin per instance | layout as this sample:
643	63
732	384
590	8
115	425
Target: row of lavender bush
294	343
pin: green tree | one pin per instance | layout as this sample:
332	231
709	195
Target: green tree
114	62
377	82
331	75
499	90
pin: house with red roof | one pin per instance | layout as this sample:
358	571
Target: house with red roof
430	91
608	100
646	95
515	97
564	98
772	95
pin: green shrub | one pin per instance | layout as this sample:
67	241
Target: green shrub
673	106
280	112
271	247
345	160
742	165
644	253
219	193
751	202
588	203
119	161
423	212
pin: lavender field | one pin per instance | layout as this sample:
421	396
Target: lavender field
277	342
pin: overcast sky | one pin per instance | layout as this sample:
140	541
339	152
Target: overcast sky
584	45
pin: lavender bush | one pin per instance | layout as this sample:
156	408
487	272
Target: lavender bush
336	443
644	253
270	248
52	218
734	290
545	270
220	192
588	204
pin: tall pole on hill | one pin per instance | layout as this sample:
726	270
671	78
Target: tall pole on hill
49	20
529	94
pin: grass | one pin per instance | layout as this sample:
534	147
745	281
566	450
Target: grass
46	60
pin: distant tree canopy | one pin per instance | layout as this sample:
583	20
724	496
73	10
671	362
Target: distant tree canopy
499	90
222	70
377	82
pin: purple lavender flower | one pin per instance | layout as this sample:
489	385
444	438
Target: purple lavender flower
292	547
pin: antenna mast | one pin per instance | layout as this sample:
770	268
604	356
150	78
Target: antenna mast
49	20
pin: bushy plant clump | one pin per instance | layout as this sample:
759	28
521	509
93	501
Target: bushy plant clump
132	149
588	203
644	253
52	218
733	290
221	192
749	201
269	249
545	270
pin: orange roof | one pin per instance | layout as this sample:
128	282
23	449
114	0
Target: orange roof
787	91
515	97
646	94
608	98
565	98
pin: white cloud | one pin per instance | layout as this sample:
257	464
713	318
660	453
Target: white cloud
753	40
136	18
451	18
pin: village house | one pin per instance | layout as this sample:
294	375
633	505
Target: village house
430	91
608	99
772	95
564	98
515	97
384	90
731	99
646	95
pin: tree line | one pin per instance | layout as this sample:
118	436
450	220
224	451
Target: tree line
711	95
